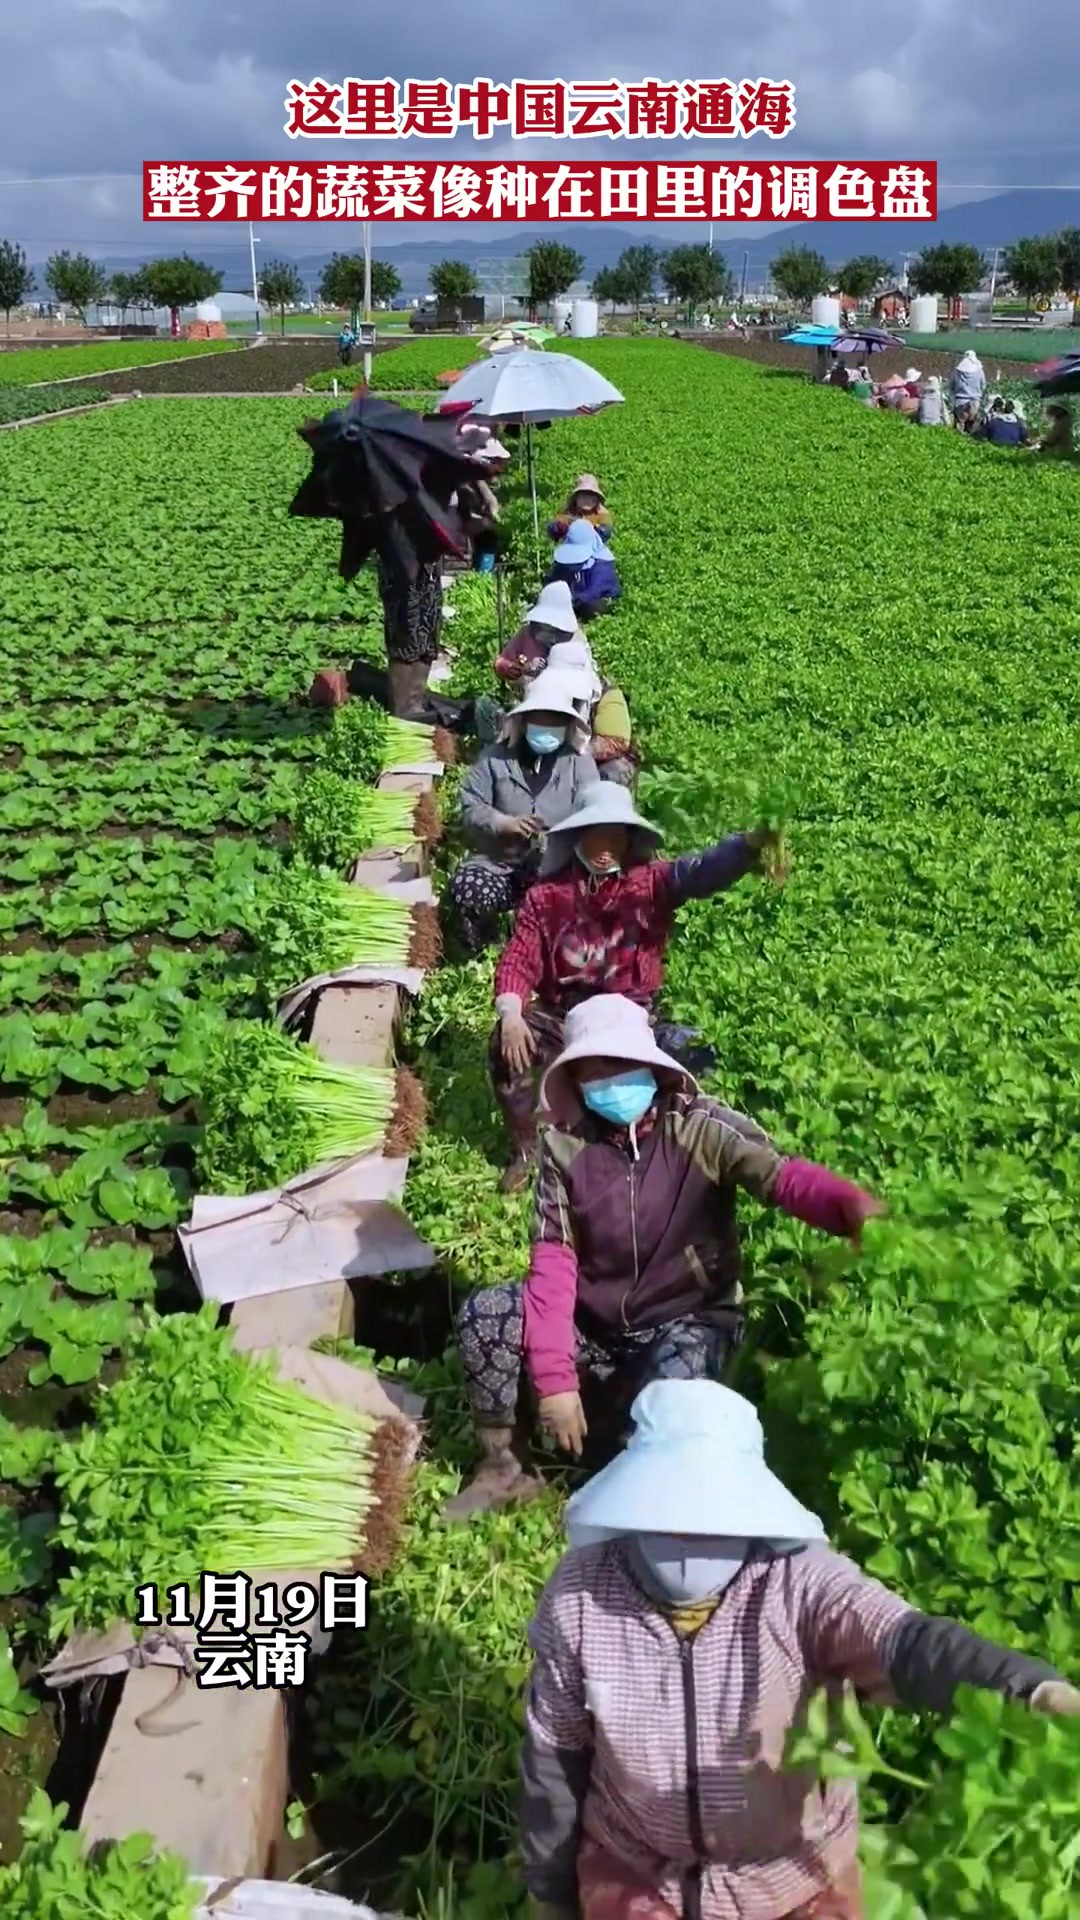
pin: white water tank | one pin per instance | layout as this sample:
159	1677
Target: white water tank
209	311
561	311
825	311
585	320
924	313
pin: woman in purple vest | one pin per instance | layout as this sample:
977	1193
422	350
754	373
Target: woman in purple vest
635	1272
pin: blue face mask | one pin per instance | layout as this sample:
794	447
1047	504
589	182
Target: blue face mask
544	740
682	1573
623	1098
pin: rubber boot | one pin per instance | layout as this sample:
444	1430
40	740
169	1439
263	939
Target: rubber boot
501	1480
408	688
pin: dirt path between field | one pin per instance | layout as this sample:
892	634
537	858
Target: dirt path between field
773	353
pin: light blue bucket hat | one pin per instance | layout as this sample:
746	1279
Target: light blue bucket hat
694	1466
581	547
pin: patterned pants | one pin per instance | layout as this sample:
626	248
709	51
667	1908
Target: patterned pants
491	1341
480	893
517	1094
412	614
608	1892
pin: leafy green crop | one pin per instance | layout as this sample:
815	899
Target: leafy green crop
55	1879
413	367
23	403
21	368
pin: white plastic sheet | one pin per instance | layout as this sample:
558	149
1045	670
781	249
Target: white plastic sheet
276	1900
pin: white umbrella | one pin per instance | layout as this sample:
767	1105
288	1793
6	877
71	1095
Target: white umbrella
528	388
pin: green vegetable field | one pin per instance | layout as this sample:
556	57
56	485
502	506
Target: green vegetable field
822	608
26	365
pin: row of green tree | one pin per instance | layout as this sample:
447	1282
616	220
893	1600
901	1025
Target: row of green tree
1037	267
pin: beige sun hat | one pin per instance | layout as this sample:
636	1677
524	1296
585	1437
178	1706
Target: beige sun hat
610	806
552	693
607	1027
587	483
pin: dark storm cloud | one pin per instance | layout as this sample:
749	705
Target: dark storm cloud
97	86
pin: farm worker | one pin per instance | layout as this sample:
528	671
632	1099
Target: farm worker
931	403
967	384
412	626
585	502
598	923
697	1609
635	1273
1001	426
528	781
1058	438
551	636
583	563
892	393
862	386
345	344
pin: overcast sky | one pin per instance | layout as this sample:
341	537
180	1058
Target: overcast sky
97	86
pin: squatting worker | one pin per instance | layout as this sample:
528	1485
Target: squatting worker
529	781
585	502
551	637
697	1610
583	563
967	385
635	1272
599	921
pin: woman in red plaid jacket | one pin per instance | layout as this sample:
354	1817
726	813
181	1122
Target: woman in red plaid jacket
676	1645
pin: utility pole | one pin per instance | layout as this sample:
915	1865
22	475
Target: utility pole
254	274
993	281
367	298
745	271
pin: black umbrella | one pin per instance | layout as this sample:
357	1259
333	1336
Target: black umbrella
388	476
1060	376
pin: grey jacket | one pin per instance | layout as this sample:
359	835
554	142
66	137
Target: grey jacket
495	789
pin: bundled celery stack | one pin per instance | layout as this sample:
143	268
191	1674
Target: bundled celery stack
363	742
312	922
200	1459
338	818
272	1109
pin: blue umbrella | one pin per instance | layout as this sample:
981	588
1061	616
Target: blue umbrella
812	337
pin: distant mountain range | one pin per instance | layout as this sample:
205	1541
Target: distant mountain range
995	222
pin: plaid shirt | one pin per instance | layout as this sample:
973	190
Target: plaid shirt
683	1741
574	937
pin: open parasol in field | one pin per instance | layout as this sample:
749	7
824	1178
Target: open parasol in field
1058	377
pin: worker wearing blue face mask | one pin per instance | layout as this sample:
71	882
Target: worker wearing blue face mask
635	1270
599	921
529	781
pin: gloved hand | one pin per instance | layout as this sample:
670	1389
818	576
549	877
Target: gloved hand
515	1040
562	1417
1056	1696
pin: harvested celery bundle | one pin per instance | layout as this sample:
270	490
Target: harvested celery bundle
272	1109
363	742
337	819
311	923
201	1459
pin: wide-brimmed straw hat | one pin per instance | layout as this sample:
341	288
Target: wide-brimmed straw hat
554	608
608	806
552	693
694	1465
587	483
607	1027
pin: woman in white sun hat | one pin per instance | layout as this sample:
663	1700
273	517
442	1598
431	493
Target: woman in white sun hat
526	783
698	1609
598	922
551	637
636	1271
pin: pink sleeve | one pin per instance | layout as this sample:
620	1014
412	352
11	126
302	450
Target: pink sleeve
821	1199
550	1341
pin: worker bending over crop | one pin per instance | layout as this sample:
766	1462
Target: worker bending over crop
583	562
635	1272
551	637
586	502
525	783
698	1609
598	922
